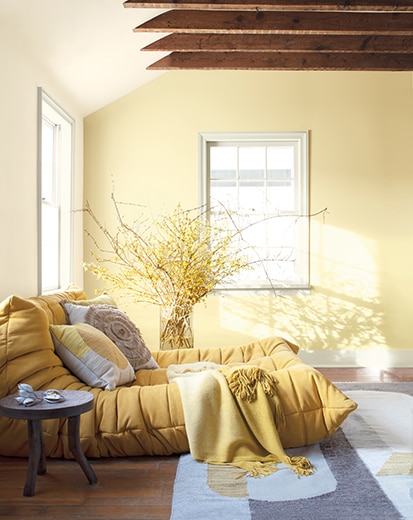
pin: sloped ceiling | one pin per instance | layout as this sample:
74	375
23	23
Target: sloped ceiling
87	46
100	50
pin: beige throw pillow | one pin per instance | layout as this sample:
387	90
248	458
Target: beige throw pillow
91	356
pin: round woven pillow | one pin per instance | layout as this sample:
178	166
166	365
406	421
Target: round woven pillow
118	327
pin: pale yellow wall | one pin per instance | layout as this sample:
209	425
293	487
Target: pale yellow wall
361	163
21	75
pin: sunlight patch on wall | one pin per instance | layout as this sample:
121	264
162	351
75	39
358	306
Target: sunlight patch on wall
344	261
343	310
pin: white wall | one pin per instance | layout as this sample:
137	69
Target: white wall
20	77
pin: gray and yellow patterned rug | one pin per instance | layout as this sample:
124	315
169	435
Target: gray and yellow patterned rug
364	471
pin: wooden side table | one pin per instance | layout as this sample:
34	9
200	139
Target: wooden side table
76	402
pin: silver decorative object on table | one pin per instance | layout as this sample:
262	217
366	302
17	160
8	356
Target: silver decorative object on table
27	396
53	396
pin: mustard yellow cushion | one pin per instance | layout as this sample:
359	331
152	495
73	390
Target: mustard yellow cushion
26	347
313	406
118	327
50	303
91	355
102	299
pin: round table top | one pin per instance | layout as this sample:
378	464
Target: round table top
76	402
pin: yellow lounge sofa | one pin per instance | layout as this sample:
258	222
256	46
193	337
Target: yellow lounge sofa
145	416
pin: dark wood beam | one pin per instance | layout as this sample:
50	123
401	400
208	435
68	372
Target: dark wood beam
281	42
284	61
271	22
277	5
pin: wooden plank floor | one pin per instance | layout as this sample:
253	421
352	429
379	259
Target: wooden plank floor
128	488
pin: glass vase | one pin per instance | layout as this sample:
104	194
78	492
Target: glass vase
176	328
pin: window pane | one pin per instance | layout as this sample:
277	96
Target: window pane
252	162
47	161
251	196
224	193
281	197
223	162
280	157
281	188
50	247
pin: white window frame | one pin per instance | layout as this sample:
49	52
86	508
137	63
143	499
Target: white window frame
61	194
301	195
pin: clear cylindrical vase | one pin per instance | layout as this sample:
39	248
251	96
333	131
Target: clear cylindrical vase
176	328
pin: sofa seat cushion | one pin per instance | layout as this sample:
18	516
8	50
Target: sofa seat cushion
313	406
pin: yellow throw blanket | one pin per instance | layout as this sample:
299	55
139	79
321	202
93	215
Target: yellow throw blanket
231	416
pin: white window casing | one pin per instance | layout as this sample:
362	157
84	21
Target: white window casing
262	179
55	194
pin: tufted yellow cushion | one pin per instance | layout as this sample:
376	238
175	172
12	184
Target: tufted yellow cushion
313	406
51	303
91	355
26	347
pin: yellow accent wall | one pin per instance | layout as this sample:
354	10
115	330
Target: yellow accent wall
361	169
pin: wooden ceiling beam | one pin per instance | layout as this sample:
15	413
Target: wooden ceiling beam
368	35
276	5
281	42
271	22
283	61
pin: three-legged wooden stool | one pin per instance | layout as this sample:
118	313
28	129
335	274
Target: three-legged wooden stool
76	402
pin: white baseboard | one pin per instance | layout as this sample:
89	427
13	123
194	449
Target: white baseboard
377	358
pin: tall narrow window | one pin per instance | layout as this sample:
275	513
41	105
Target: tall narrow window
55	194
262	179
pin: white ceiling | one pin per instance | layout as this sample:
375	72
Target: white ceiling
88	46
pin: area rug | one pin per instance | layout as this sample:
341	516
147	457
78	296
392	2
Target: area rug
364	471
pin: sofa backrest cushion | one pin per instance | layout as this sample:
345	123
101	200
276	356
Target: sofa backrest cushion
51	304
26	347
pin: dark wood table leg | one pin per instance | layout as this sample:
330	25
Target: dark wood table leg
37	458
75	448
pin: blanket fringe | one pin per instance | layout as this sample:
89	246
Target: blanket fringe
243	382
301	466
260	469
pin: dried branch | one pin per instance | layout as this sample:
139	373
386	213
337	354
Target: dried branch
176	260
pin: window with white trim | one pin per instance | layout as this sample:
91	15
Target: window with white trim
262	180
55	152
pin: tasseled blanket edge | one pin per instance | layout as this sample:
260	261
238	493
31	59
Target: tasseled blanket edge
243	383
263	468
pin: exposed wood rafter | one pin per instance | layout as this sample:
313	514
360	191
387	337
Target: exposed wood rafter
277	5
272	22
185	42
282	35
282	61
